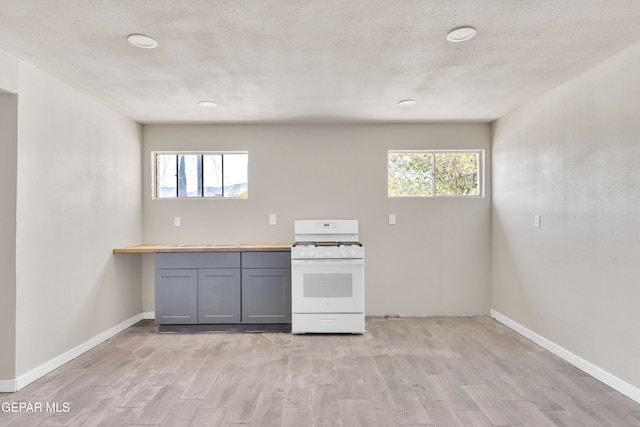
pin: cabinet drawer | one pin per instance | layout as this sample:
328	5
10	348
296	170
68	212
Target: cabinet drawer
198	260
266	259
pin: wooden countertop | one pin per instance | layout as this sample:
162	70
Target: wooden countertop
154	248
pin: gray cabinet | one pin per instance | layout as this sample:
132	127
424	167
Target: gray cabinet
210	288
197	287
177	296
266	287
266	295
219	295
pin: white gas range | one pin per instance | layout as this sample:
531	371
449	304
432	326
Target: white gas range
327	278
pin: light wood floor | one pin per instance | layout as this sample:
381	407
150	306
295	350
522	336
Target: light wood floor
408	371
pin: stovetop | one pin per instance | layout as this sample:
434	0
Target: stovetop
325	244
326	240
327	250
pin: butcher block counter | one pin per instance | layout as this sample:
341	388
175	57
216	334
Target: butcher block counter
160	248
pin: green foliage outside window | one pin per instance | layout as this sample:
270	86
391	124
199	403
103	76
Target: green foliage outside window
429	173
410	174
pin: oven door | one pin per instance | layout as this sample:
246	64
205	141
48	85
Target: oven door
327	286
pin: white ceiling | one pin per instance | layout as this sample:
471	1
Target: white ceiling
316	60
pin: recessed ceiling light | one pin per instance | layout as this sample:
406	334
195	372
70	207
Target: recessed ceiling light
207	104
140	40
407	102
461	34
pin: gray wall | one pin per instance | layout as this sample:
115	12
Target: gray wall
8	174
573	157
76	196
435	261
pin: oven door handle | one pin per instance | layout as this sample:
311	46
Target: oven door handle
327	262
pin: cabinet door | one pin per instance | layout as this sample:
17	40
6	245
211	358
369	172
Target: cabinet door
176	296
266	295
219	295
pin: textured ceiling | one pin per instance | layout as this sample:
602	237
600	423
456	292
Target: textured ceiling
316	60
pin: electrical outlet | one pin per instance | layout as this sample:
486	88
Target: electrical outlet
177	221
536	221
392	219
273	219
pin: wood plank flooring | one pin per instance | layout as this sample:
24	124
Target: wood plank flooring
440	371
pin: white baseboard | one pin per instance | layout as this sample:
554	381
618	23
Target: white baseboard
10	386
149	315
7	386
609	379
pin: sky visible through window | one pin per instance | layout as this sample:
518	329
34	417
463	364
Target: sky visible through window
201	175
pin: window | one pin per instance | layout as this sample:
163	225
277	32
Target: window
198	175
434	173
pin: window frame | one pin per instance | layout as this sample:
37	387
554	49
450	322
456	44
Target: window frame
481	183
154	174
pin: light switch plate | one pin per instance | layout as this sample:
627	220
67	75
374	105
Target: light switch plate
177	221
392	219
